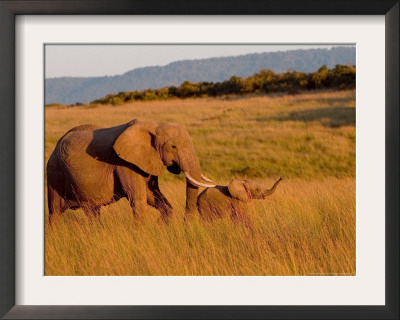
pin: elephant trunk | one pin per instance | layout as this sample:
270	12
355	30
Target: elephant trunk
272	190
190	166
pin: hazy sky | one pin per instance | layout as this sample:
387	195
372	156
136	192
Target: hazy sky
101	60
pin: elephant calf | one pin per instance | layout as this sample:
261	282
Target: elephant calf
230	200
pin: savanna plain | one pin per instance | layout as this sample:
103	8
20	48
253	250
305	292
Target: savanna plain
307	227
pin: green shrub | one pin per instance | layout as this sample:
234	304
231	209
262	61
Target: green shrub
264	81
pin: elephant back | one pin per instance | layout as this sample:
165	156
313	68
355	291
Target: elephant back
214	202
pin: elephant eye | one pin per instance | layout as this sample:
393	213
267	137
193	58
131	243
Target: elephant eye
174	149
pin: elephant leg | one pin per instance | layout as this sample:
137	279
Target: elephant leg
93	213
157	200
137	197
134	188
163	205
139	207
55	204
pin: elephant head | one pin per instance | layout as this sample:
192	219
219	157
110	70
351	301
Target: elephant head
246	190
151	147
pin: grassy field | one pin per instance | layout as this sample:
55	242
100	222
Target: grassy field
307	227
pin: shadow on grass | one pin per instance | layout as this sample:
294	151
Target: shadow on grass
329	117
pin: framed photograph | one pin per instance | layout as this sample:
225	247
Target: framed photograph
202	160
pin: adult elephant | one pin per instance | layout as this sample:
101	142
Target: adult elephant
92	167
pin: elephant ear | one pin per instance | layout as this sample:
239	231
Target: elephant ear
239	189
136	145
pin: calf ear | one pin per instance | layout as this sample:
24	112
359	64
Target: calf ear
239	189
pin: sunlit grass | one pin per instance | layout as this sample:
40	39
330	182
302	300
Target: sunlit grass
306	228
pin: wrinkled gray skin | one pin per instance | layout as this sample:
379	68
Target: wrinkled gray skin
231	200
92	167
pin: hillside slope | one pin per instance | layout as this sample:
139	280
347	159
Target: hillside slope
70	90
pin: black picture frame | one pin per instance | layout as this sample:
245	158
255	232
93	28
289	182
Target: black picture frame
8	11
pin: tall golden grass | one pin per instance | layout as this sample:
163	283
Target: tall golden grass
307	227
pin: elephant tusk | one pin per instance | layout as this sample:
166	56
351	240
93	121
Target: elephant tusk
205	178
197	183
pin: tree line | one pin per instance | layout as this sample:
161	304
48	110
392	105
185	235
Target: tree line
265	81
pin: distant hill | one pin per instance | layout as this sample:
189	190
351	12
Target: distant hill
69	90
